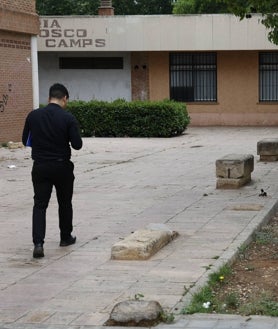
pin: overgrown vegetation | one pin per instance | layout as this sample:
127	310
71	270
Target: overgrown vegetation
249	285
205	301
130	119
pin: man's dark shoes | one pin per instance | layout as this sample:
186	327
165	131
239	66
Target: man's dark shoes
38	251
68	242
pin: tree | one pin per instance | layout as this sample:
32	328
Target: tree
241	8
154	7
90	7
67	7
200	7
124	7
268	8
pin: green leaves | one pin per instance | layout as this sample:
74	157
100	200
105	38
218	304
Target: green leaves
200	7
130	119
240	8
268	8
90	7
67	7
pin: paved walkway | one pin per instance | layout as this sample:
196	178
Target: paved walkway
122	185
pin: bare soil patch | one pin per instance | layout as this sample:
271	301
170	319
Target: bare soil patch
252	286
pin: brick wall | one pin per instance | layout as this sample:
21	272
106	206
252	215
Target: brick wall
18	22
19	16
28	6
15	84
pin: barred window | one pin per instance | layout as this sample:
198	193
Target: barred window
193	77
268	76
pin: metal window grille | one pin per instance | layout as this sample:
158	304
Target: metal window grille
193	77
268	77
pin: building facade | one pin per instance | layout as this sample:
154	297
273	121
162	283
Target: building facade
224	69
18	23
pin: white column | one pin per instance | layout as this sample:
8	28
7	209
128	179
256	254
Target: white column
35	71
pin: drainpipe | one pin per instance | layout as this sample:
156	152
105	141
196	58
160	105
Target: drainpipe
35	71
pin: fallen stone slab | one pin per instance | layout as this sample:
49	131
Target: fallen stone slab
139	313
142	244
267	149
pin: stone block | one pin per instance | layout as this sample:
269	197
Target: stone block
135	313
234	170
267	149
142	244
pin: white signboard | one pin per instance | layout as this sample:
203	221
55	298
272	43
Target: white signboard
152	33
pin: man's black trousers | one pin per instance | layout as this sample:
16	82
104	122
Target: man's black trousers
45	175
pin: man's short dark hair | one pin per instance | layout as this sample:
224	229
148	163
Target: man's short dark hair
58	91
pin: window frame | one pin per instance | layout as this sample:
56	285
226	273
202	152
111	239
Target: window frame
195	74
268	88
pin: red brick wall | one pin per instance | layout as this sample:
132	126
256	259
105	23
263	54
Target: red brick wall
28	6
19	15
16	95
15	84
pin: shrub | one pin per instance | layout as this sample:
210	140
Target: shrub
133	119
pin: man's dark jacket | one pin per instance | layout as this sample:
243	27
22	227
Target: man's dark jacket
52	130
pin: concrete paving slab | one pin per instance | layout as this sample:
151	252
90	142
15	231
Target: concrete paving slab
122	185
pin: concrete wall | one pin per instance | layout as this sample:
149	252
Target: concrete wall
159	75
237	91
85	84
152	33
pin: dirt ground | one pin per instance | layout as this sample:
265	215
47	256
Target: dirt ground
252	286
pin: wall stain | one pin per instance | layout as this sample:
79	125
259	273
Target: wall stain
5	98
4	102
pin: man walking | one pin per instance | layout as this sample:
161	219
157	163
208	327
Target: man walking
52	130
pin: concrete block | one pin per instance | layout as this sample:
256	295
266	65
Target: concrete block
267	149
142	244
234	170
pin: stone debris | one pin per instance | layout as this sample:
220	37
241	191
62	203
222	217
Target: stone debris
13	145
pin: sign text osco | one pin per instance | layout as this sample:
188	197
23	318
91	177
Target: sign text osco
57	37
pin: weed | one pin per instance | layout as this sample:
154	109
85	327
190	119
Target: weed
263	237
260	305
197	304
204	301
167	317
208	267
138	296
242	251
220	275
232	300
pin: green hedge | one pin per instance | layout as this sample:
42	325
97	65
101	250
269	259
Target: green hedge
133	119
